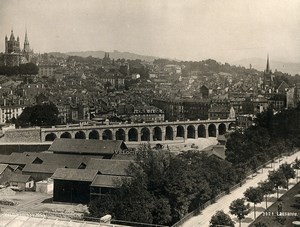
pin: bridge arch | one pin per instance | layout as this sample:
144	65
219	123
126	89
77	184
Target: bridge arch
145	134
120	134
80	135
180	131
169	133
201	131
133	134
191	132
157	133
222	129
50	137
212	131
94	134
107	134
66	135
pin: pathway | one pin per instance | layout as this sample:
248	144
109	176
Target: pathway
223	203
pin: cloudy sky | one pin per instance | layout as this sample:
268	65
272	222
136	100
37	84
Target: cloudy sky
225	30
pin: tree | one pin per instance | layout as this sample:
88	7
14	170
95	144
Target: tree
38	115
220	218
278	179
254	195
296	166
267	188
288	172
239	209
100	207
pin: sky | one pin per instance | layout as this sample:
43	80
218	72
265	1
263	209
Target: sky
225	30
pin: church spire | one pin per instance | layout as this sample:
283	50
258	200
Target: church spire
268	64
26	38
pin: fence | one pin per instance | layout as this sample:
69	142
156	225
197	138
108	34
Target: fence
249	174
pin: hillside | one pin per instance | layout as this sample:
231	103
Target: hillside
260	64
113	55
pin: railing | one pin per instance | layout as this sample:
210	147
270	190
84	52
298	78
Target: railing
216	198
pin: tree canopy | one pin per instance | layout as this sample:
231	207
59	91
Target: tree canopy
239	209
39	115
221	219
22	69
165	187
254	195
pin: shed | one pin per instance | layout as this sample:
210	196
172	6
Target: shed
40	171
44	186
73	185
22	181
106	148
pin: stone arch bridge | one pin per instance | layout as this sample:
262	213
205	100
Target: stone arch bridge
158	131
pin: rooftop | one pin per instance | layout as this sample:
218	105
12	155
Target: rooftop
75	174
107	181
87	146
109	167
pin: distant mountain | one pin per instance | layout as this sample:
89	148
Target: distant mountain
260	64
113	55
58	54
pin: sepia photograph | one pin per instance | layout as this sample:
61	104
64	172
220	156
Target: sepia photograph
149	113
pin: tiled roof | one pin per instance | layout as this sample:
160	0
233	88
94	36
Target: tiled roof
75	174
217	150
41	168
5	158
109	167
2	168
86	146
107	181
23	178
60	160
17	158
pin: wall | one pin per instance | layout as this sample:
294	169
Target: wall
44	186
29	135
4	177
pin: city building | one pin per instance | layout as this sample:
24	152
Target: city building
147	114
183	109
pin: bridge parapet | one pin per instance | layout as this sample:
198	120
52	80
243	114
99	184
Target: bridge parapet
112	125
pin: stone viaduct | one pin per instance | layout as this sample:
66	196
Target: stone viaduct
157	131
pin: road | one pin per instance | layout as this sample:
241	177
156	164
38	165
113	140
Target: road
223	203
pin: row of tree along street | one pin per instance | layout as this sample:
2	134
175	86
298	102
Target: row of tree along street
276	179
165	187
